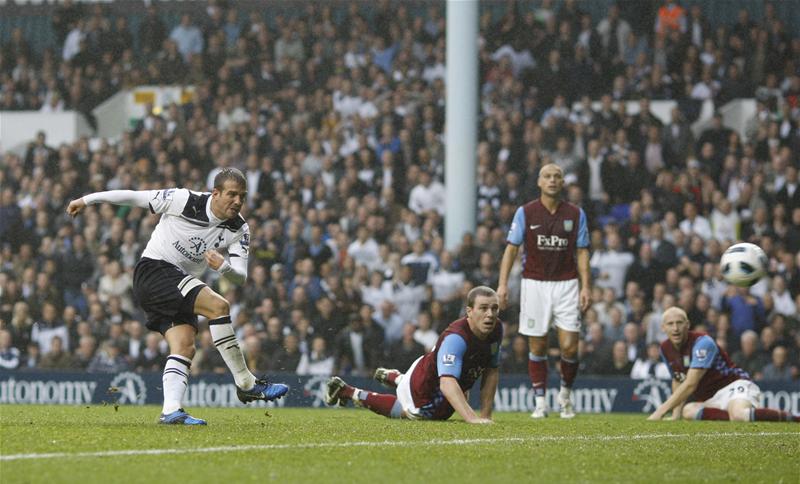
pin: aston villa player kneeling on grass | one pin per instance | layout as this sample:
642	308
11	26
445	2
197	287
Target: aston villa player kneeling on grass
703	372
435	385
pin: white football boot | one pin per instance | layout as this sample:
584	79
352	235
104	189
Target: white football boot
565	403
540	411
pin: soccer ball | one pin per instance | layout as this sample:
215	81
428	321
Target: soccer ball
743	264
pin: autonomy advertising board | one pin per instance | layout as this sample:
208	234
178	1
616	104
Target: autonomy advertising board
514	394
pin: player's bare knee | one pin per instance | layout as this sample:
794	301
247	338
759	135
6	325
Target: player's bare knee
689	411
184	348
220	307
740	414
188	352
569	352
537	346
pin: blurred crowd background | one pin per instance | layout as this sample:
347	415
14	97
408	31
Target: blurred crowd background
335	112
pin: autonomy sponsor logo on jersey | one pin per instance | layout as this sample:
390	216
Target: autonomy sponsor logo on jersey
197	245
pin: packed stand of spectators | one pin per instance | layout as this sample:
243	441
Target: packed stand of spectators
338	126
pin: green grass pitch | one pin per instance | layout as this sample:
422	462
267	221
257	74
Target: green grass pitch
103	444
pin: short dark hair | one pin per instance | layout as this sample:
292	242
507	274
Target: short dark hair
475	292
226	174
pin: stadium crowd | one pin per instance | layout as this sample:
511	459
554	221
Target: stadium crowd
336	116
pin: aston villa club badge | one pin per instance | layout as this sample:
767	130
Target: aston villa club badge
568	225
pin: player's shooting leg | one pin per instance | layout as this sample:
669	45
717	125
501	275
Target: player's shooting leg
217	310
211	305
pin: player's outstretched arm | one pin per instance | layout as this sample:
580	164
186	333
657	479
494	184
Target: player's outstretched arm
681	394
489	381
117	197
452	392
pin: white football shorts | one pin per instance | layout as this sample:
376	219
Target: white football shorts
546	303
404	393
738	390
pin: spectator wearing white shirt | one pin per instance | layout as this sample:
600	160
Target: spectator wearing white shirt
694	223
368	110
445	281
345	101
72	44
407	296
391	322
377	291
724	221
782	302
613	32
427	196
651	365
611	265
425	334
422	263
52	102
115	282
436	68
365	250
9	355
47	327
317	361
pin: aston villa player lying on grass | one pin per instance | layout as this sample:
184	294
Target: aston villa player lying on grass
703	373
436	383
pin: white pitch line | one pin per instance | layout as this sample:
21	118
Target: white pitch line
407	443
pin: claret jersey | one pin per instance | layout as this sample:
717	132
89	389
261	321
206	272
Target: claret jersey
459	354
549	240
700	351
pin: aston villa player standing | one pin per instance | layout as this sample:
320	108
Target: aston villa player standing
555	237
702	372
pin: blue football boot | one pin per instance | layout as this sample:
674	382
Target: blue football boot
262	390
180	417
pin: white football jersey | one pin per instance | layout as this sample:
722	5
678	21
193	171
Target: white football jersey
188	229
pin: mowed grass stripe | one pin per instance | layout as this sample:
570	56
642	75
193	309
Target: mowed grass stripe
413	443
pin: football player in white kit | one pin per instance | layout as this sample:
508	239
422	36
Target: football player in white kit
193	228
